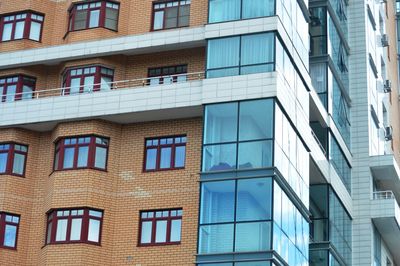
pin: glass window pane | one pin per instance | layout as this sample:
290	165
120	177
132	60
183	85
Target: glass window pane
34	33
216	238
94	230
255	154
221	123
257	49
111	18
253	236
180	156
219	157
146	232
151	159
27	92
7	30
217	202
256	120
171	17
223	52
254	263
88	84
69	157
225	72
19	164
19	30
257	8
83	155
49	228
224	10
61	234
76	227
101	158
165	159
3	162
161	231
75	85
254	199
94	18
10	93
10	236
158	20
105	83
176	230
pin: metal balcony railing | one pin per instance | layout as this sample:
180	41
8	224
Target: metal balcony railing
383	195
318	142
104	86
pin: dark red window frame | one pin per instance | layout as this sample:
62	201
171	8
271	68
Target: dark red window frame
15	221
162	6
90	141
27	16
102	7
19	81
144	217
158	144
167	72
53	216
11	149
97	72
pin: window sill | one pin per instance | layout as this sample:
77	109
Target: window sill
72	31
74	242
9	174
78	169
23	39
8	248
153	30
163	170
158	244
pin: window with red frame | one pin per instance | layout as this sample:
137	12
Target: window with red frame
87	79
165	153
21	26
93	15
81	152
160	227
167	75
13	159
9	224
17	88
171	14
80	225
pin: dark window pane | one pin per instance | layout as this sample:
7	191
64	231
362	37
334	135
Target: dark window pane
80	20
111	18
217	204
254	199
171	17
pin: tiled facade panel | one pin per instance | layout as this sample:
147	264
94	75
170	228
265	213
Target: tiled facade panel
134	18
121	191
125	67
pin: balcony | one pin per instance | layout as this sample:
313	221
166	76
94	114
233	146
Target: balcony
385	213
386	171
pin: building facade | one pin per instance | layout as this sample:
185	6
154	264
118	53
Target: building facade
206	132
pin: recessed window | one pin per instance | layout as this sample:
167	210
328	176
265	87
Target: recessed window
87	79
80	225
172	14
13	159
165	153
21	26
167	75
93	15
160	227
81	152
9	224
16	88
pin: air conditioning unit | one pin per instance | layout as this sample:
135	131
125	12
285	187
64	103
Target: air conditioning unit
388	133
385	40
387	86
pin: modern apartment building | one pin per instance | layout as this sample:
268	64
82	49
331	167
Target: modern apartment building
199	132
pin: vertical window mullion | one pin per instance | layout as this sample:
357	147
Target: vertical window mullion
85	225
173	147
13	27
10	160
54	227
102	16
153	229
27	25
2	228
168	230
92	152
158	158
69	225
